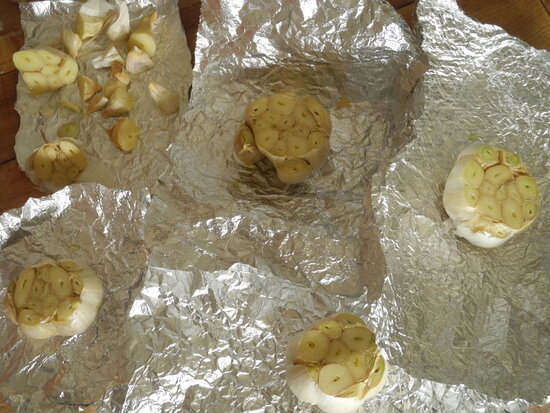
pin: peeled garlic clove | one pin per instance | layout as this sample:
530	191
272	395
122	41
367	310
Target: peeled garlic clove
36	82
255	110
23	287
71	42
120	103
119	72
165	99
293	170
87	87
137	61
282	103
244	146
124	135
120	27
107	58
319	113
73	153
69	105
96	103
483	198
28	61
142	36
69	130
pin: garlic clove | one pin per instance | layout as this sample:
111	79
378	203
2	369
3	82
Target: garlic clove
107	58
96	8
96	103
69	105
111	85
165	99
118	71
120	27
142	36
120	102
87	87
137	61
124	135
244	147
88	27
71	42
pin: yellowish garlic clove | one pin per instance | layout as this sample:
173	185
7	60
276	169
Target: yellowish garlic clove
71	42
87	87
137	61
142	36
165	99
124	135
111	85
69	105
118	71
96	103
120	103
120	27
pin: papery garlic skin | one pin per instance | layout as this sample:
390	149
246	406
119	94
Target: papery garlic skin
86	302
120	28
307	355
466	204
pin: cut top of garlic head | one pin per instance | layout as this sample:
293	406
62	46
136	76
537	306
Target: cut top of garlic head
335	364
54	299
292	132
56	164
490	196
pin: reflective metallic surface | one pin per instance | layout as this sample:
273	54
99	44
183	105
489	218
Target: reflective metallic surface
42	23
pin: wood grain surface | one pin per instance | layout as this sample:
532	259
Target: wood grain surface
527	19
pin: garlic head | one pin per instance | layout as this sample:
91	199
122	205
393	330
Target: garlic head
490	196
335	364
54	298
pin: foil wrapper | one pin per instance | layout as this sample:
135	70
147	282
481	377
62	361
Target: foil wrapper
41	116
101	229
451	312
361	62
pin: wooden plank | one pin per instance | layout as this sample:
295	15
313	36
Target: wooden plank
190	11
15	187
408	14
9	44
10	17
526	19
9	123
400	3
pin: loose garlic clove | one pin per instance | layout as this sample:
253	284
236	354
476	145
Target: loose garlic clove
124	135
71	42
120	103
111	85
322	370
119	72
165	99
107	58
137	61
485	196
120	27
88	27
96	103
42	314
142	36
69	130
69	105
87	87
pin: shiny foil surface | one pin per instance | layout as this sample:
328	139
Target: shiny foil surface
360	60
449	311
101	229
42	23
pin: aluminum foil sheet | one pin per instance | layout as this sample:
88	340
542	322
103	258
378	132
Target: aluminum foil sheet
361	61
450	312
101	229
42	23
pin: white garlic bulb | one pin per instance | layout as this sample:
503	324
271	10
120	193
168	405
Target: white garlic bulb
335	364
490	196
54	299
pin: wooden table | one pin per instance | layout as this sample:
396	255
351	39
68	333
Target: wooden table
526	19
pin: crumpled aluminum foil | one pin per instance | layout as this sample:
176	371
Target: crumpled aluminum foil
101	229
42	23
361	62
451	312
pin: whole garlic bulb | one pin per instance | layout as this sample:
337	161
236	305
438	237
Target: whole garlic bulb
56	164
335	364
490	196
54	299
292	132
